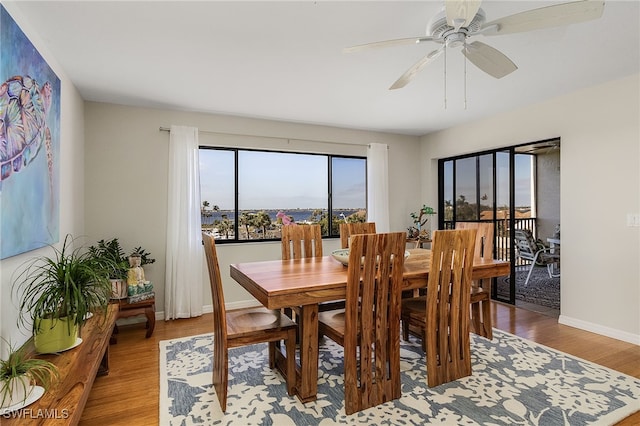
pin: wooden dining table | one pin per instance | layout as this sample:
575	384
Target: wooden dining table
307	282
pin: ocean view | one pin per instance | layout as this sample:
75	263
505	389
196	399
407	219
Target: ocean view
298	215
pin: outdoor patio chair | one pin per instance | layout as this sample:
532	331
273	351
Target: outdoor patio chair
527	249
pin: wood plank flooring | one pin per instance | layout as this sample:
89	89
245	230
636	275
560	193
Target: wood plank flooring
129	395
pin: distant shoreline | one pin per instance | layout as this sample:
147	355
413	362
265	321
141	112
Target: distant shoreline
298	215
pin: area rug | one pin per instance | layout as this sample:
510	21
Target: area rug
540	290
514	381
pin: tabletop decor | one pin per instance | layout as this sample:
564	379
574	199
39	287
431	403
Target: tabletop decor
514	381
126	275
342	255
420	231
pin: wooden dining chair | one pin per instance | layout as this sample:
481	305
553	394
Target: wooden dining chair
481	289
443	316
369	326
349	229
300	241
244	327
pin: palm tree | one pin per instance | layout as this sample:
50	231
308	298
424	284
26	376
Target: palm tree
247	219
263	220
225	226
203	211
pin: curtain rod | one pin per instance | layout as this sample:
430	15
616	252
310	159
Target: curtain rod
167	129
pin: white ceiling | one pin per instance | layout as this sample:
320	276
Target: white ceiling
284	60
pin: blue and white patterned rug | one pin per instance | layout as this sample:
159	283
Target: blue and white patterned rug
514	382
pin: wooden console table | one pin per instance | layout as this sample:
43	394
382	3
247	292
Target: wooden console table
63	403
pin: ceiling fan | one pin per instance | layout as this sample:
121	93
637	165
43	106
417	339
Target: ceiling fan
461	19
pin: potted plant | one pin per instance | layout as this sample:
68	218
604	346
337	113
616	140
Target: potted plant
18	375
111	252
419	232
57	293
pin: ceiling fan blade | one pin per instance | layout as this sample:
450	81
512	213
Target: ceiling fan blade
546	17
488	59
460	13
387	43
415	69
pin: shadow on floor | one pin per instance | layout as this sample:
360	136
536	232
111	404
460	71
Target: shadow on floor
538	308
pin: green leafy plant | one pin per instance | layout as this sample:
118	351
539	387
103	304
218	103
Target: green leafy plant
18	364
71	283
145	257
111	252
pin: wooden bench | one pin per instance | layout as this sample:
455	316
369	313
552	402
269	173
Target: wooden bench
63	403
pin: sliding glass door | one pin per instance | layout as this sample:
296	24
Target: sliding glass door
497	187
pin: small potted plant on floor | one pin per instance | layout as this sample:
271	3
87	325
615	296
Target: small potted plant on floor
58	293
19	374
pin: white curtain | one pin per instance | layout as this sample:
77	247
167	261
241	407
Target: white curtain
183	286
378	186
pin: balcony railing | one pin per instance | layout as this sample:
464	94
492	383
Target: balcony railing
502	241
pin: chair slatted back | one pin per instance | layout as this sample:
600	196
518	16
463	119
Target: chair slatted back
301	241
349	229
481	295
372	320
484	238
220	353
448	296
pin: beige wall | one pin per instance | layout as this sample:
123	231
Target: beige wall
548	192
599	129
126	178
71	186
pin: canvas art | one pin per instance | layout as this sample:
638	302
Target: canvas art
29	144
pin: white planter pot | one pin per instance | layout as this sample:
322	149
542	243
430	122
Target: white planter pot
16	391
118	289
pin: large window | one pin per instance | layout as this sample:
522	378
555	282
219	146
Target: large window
247	194
468	187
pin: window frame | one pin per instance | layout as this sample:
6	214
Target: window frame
329	158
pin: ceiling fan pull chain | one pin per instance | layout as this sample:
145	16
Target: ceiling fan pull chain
464	47
445	76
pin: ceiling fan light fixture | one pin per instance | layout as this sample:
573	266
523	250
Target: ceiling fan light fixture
438	28
455	39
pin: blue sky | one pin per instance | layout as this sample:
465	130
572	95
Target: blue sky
274	180
271	180
522	181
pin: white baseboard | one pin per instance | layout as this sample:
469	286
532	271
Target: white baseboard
206	309
600	329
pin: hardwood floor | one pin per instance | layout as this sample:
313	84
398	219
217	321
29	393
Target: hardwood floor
129	394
